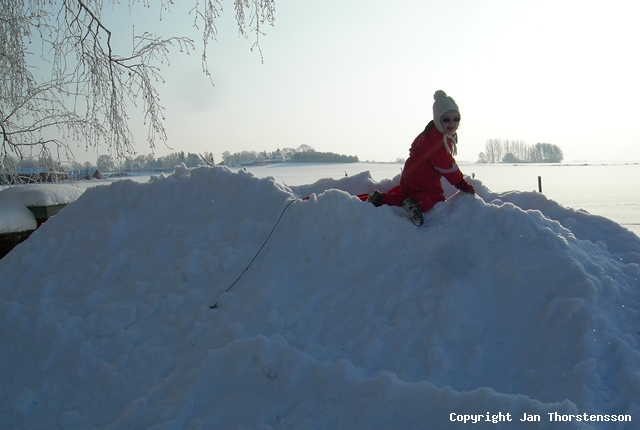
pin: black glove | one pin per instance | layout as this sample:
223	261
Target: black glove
466	187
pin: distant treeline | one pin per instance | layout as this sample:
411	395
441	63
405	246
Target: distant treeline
46	169
303	154
149	162
106	163
516	151
322	157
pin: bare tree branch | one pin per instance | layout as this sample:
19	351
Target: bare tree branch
79	89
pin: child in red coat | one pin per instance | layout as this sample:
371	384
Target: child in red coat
430	158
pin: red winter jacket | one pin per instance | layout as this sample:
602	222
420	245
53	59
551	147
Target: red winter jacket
429	160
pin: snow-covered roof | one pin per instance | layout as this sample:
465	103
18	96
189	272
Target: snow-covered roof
14	200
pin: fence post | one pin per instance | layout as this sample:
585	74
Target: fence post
539	184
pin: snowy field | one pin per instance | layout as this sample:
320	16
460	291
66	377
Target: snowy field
214	299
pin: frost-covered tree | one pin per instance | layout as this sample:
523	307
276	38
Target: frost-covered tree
66	83
516	151
494	151
546	153
105	163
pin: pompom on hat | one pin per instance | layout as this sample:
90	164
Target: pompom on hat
442	104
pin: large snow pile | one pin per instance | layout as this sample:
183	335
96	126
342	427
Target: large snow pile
349	316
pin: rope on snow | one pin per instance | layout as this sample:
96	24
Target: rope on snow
291	200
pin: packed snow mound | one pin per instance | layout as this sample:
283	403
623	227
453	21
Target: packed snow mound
338	314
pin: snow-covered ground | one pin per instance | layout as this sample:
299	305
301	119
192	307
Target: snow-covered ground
340	314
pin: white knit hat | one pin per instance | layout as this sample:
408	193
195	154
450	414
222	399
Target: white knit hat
442	104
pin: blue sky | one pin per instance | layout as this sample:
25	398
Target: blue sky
358	77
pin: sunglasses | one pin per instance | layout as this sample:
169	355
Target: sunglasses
450	119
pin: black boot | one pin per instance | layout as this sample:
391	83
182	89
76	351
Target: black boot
415	212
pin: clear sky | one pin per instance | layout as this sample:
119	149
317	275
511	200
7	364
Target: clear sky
357	77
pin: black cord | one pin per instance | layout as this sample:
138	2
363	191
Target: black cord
215	305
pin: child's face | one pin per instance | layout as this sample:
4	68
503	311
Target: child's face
450	121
